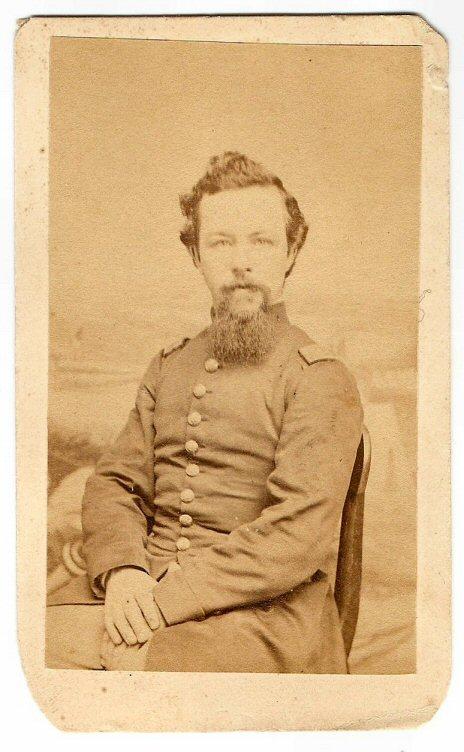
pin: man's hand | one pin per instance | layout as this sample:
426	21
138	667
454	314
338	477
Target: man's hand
131	613
122	657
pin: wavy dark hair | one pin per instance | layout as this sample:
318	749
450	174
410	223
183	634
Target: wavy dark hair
231	169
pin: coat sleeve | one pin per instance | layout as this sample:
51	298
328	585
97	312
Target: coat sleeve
122	486
290	541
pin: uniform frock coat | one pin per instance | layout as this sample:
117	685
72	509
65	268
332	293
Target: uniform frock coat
238	474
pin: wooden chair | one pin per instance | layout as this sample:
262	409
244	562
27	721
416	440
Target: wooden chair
349	563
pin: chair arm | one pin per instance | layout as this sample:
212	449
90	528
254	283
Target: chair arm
72	565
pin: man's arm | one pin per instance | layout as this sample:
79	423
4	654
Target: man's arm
290	540
113	521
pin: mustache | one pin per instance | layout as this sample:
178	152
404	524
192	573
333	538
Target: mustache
252	287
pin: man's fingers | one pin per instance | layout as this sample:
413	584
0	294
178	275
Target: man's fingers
123	626
148	608
112	631
136	620
106	649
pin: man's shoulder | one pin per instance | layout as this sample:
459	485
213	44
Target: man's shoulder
306	350
154	367
171	352
167	352
318	362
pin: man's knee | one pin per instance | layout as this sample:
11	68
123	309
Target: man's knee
73	636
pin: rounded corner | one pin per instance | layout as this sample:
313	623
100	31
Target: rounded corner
38	694
38	687
437	703
428	32
22	26
26	28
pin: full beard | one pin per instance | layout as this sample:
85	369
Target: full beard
242	337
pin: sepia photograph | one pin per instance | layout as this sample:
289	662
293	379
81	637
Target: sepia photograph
234	309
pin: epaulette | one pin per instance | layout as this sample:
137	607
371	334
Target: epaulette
314	353
174	346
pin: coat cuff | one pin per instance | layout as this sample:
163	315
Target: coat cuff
122	557
176	600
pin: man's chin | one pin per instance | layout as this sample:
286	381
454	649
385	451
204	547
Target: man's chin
245	303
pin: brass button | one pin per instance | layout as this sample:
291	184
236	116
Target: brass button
187	495
185	520
182	544
199	390
192	469
194	419
211	365
191	446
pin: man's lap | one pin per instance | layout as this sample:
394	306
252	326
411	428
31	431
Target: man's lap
226	642
285	637
73	636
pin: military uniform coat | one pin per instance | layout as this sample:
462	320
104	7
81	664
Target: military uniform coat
239	474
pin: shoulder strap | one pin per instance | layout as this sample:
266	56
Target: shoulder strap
174	346
313	353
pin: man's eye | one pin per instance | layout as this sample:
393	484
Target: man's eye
263	241
220	242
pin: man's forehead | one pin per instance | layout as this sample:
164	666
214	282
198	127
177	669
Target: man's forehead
243	207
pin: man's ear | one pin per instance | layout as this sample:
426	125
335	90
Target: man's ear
291	258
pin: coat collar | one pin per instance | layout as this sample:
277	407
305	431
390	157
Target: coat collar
280	312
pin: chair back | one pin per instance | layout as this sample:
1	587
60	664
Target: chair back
349	562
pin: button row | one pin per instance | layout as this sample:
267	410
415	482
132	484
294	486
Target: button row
192	470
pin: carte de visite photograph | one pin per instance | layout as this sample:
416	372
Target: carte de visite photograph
235	315
250	240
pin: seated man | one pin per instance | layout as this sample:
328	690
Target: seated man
208	525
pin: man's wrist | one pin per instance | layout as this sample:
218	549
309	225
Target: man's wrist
104	578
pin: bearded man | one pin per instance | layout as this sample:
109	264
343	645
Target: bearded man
208	526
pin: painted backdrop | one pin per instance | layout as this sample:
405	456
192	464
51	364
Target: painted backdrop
133	124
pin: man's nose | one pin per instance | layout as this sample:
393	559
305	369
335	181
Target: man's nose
241	262
240	272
